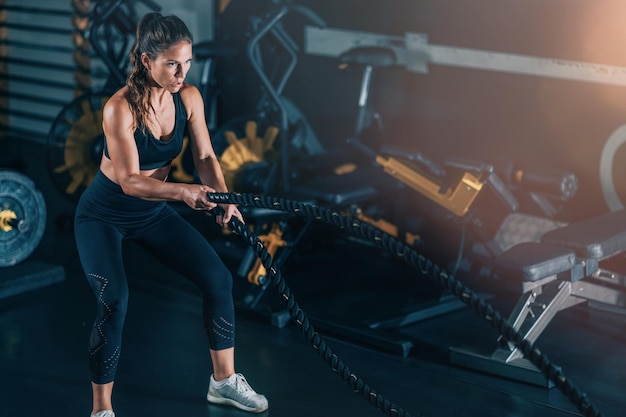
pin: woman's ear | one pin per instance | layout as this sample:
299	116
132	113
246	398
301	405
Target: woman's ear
145	60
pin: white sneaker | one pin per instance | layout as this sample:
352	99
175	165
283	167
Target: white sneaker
104	413
237	392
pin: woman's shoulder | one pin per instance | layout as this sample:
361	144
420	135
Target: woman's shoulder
119	99
190	96
117	104
189	92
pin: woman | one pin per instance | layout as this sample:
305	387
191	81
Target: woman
144	124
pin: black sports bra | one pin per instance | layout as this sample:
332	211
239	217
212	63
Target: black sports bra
155	153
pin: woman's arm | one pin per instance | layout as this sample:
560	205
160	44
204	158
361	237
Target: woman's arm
204	157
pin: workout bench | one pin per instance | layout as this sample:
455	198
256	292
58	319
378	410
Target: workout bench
559	271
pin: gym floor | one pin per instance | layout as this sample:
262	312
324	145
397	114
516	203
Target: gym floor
165	365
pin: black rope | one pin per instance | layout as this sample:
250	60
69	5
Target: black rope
425	266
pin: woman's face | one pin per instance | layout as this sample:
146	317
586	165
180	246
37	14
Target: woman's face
169	69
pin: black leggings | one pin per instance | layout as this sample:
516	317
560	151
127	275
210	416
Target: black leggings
105	216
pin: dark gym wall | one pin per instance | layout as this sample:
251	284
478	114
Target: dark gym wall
460	112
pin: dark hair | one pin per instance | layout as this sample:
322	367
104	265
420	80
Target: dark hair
155	34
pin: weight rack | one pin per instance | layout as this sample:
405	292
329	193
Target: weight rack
44	63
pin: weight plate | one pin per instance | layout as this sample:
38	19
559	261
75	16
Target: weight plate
75	144
22	217
246	153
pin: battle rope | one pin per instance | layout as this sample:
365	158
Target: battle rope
409	255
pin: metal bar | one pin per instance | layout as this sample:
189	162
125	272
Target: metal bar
27	115
526	65
39	47
33	28
48	65
610	277
29	97
333	42
31	80
35	10
599	293
553	306
414	52
519	370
